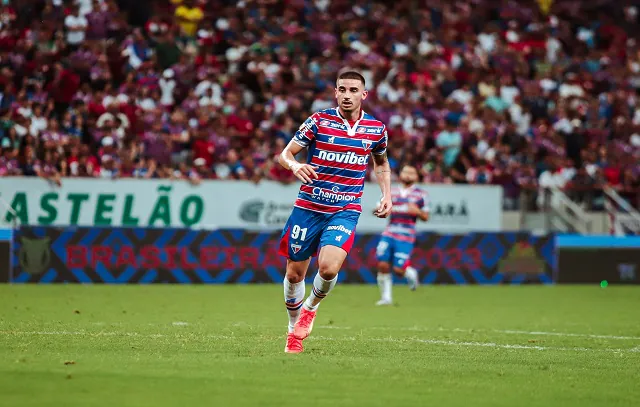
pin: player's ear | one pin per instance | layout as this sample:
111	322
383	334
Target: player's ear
365	93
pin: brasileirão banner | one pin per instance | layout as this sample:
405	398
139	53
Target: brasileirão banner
138	255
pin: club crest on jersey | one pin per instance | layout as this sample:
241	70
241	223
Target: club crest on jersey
296	247
366	144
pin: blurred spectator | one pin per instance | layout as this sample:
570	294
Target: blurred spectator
581	187
188	16
109	168
76	26
199	171
479	174
450	141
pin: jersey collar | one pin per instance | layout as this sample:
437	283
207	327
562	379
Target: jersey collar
351	131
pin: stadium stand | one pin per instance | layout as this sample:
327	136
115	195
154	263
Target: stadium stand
472	91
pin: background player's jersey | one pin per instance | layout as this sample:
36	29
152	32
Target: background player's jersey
341	153
402	226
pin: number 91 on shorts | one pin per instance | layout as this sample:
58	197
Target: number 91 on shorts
306	232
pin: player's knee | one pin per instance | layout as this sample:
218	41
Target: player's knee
294	277
328	269
295	273
383	267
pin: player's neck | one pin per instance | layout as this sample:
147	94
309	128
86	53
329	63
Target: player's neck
407	186
352	115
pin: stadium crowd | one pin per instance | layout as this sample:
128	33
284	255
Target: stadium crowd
472	91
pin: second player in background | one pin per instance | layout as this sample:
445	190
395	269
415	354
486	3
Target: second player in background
410	204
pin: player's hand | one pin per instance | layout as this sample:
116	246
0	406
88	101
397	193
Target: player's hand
304	172
385	208
412	209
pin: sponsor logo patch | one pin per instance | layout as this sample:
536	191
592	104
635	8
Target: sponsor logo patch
346	158
340	228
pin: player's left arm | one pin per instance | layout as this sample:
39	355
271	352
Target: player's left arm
425	207
383	174
420	209
423	215
423	211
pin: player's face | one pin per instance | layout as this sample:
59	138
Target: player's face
409	175
350	93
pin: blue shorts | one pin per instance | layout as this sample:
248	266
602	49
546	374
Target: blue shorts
307	231
393	251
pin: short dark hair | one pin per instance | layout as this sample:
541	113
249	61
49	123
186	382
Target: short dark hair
351	74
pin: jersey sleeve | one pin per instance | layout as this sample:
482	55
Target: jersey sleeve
381	146
307	131
424	202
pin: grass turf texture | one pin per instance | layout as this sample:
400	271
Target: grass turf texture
223	346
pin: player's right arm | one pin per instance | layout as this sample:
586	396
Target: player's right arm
304	172
421	209
415	210
303	137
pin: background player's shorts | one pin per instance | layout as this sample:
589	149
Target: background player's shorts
307	231
393	251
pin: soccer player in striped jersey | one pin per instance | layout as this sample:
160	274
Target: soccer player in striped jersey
323	221
410	203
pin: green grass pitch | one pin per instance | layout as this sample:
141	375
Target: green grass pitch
71	345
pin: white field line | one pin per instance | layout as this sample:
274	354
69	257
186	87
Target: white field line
420	329
567	334
347	338
479	344
503	331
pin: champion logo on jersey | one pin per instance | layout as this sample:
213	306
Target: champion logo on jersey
296	247
366	144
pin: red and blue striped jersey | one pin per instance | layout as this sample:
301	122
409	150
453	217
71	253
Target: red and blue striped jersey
402	226
341	153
